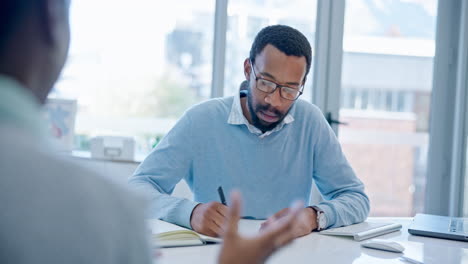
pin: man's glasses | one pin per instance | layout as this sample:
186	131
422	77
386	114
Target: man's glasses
266	86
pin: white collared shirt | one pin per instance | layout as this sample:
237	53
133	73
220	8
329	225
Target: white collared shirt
236	117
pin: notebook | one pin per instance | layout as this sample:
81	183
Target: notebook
166	235
363	230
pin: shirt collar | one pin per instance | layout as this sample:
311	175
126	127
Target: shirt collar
236	117
19	107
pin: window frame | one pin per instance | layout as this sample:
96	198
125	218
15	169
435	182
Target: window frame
447	145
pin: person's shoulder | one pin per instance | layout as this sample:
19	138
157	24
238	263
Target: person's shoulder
220	103
77	199
305	108
112	194
211	108
308	115
104	195
35	166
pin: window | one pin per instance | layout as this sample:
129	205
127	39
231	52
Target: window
247	18
386	89
136	67
377	100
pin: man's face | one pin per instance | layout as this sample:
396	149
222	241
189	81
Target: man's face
266	110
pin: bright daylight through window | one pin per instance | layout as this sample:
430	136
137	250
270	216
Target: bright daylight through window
136	70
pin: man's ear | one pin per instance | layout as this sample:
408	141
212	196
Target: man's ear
247	69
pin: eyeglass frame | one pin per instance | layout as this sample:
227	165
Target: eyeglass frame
300	90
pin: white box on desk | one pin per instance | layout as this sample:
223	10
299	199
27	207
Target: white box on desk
113	148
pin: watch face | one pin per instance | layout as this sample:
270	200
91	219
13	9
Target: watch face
321	220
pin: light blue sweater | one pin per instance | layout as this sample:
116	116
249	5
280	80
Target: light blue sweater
271	172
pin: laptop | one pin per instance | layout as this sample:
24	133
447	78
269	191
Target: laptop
440	226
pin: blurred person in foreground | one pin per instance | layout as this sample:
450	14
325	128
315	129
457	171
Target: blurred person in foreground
52	210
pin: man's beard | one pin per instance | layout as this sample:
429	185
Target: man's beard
257	122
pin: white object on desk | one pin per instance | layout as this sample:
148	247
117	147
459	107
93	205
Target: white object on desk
384	244
113	148
363	230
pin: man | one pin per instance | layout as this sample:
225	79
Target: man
267	144
53	211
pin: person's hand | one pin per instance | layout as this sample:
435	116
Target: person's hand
208	219
305	223
254	250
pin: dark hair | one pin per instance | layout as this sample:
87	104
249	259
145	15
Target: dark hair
11	14
285	38
244	85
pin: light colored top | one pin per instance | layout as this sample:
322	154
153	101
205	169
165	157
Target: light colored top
53	211
19	109
208	149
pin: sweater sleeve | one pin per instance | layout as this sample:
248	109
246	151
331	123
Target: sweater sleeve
158	174
345	200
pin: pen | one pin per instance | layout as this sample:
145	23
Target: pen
221	195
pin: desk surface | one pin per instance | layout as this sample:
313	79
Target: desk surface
316	248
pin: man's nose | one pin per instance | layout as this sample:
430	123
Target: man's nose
274	98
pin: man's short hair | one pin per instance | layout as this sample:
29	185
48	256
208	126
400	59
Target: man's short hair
244	85
285	38
11	14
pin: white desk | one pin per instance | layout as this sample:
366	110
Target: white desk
316	248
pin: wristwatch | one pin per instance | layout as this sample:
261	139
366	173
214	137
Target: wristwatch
321	219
